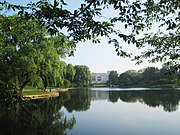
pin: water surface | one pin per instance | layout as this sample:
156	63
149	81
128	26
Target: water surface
99	111
127	113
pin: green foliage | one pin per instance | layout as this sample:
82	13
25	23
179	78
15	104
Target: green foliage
129	78
84	23
67	83
165	48
150	77
29	56
70	73
113	77
82	76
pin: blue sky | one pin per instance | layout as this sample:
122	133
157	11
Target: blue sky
100	57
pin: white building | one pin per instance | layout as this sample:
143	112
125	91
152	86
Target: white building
99	77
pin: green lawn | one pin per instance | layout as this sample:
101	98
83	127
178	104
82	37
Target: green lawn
25	93
29	90
100	85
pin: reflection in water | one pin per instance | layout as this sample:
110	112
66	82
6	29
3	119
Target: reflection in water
80	100
169	99
43	117
124	112
38	117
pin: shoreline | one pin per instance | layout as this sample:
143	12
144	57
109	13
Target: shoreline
54	93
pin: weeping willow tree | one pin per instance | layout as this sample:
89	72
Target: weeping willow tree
91	21
29	55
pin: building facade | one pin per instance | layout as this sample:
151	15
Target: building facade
99	77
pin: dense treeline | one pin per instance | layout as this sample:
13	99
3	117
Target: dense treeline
77	76
151	77
156	21
30	56
32	43
73	76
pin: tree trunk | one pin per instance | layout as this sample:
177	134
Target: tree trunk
23	85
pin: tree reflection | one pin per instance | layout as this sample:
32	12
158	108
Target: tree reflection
38	117
43	117
169	99
113	96
80	100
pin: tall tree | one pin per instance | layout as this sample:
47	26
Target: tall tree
151	75
113	77
70	73
129	77
82	76
27	54
86	23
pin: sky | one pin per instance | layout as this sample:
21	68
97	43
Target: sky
100	57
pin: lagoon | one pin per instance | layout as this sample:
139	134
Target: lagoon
97	111
117	112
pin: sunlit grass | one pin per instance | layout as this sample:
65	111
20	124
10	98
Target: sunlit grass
25	93
30	90
100	85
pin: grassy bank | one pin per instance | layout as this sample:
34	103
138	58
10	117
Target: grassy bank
29	90
33	92
100	85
